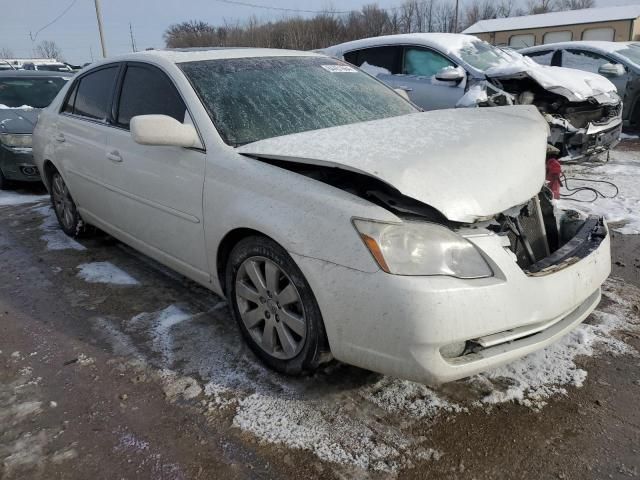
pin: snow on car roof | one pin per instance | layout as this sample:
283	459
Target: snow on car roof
445	42
180	55
590	44
554	19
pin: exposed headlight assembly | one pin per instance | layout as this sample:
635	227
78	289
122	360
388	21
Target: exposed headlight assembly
418	248
15	140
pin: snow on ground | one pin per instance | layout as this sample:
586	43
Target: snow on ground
623	169
534	379
105	272
343	414
8	197
56	239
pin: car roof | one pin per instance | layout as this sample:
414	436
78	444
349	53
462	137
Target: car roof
33	73
601	45
180	55
446	42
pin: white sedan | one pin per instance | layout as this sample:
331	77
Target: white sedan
337	219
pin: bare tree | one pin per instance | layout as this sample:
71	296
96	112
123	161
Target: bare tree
541	6
576	4
193	33
5	52
48	49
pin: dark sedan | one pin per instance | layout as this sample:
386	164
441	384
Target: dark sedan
22	95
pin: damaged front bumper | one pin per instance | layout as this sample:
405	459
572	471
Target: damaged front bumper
439	329
580	143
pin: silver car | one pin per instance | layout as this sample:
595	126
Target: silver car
446	70
617	61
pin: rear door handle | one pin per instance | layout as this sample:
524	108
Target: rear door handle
114	156
59	138
406	89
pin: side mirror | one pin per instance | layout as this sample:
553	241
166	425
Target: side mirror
450	74
611	70
163	130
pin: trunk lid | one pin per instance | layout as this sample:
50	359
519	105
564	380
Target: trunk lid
468	163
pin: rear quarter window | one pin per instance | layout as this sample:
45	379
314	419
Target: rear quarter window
95	91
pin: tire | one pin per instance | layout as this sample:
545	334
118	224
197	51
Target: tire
65	208
274	307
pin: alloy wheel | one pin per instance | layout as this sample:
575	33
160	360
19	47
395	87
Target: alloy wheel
270	307
62	202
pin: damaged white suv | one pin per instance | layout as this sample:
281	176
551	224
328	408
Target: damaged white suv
337	219
446	70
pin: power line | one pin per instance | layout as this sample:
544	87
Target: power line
280	9
298	10
33	37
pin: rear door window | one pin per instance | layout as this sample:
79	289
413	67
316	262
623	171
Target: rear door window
543	58
146	90
386	60
95	92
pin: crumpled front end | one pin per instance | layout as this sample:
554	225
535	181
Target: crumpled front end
585	130
579	127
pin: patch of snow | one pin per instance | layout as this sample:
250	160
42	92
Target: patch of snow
128	441
414	399
628	136
104	272
176	386
533	379
374	70
55	238
16	198
84	360
164	321
623	169
22	107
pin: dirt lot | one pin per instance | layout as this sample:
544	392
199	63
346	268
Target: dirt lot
111	366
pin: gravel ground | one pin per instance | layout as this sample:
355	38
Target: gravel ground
111	366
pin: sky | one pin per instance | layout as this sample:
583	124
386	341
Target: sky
76	32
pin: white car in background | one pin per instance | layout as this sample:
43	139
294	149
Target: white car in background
336	218
446	70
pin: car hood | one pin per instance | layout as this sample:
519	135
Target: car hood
575	85
18	120
468	164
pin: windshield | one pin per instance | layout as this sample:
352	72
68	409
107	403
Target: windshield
483	56
16	92
251	99
631	52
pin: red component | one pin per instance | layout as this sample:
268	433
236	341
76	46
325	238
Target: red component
554	170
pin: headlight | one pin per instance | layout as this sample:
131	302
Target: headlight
15	141
417	248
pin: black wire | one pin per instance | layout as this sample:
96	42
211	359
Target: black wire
596	193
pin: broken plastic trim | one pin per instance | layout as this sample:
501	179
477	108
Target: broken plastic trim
587	239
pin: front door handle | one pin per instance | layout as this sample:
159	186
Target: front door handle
59	138
405	88
114	156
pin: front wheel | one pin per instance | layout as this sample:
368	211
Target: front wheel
274	307
65	208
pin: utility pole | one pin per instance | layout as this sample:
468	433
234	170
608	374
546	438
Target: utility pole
99	17
455	19
133	42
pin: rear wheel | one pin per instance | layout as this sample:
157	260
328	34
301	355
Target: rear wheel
274	307
65	208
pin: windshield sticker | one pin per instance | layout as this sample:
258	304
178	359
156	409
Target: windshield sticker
339	68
